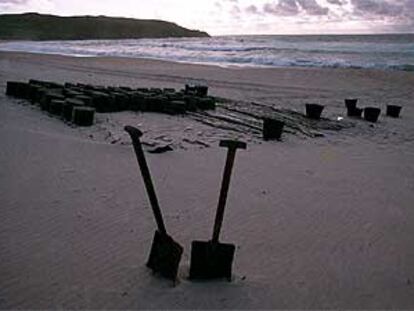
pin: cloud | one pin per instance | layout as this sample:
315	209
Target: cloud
26	5
312	7
337	2
13	2
371	8
397	15
388	15
283	7
252	9
6	5
294	7
377	7
235	9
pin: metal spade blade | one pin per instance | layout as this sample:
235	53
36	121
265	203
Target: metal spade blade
212	259
165	253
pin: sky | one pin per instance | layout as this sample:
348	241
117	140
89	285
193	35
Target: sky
226	17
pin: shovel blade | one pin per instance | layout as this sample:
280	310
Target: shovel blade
165	256
211	260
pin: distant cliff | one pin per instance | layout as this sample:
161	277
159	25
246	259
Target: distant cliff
33	26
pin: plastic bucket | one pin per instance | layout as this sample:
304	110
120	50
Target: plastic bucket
393	111
371	114
314	111
272	129
351	103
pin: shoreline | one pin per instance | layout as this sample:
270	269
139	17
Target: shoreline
214	64
196	64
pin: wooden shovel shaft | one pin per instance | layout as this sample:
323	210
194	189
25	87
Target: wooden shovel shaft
147	181
223	194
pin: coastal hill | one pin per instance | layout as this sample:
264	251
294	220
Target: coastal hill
34	26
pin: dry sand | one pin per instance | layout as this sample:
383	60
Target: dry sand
319	223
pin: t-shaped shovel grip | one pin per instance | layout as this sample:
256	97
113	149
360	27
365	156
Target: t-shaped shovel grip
232	146
135	135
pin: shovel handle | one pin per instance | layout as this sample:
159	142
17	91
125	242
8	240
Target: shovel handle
135	135
225	184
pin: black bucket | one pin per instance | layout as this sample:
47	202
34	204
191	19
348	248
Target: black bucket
67	108
17	89
83	116
371	114
272	129
314	111
355	112
351	103
196	89
34	92
47	98
351	106
393	111
202	90
56	107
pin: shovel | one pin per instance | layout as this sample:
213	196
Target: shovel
212	259
165	253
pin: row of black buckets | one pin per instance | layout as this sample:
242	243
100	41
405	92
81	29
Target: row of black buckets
51	98
77	103
371	114
273	129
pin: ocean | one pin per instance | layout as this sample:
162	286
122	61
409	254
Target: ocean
386	52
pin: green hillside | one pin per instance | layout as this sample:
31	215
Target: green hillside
33	26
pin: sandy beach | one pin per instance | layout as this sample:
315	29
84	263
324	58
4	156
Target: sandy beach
323	222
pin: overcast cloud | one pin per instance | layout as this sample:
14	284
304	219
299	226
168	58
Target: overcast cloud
381	15
4	2
244	16
391	8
